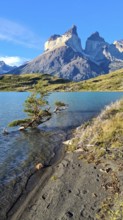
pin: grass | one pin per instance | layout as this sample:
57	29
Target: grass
111	209
101	141
103	136
108	82
73	146
18	83
26	82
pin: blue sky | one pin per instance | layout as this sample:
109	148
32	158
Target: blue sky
26	24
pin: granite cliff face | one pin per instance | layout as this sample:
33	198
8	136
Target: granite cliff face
64	57
4	68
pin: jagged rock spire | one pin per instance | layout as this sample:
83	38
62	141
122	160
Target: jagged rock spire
72	30
95	45
96	37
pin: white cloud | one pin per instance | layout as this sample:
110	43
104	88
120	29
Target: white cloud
13	61
18	34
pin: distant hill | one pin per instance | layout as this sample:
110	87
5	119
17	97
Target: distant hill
109	82
25	82
4	68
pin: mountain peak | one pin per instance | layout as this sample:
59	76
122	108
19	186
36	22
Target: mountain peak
4	68
2	63
72	30
69	39
96	47
96	37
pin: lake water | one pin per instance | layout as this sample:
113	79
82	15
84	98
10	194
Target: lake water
20	151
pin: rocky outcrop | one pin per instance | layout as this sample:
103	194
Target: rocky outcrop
4	68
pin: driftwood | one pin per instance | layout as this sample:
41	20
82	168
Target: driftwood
59	109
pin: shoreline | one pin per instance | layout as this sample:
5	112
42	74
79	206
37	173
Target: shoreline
36	181
12	193
59	183
86	183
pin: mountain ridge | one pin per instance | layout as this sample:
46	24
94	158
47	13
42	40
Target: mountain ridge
64	57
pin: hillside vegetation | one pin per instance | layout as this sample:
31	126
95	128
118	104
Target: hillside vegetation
101	143
25	82
103	136
109	82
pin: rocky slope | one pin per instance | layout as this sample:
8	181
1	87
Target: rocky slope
4	68
62	62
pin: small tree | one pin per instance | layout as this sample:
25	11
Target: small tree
59	106
38	111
